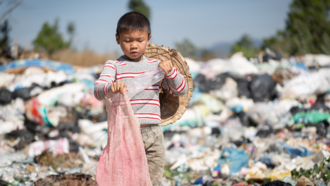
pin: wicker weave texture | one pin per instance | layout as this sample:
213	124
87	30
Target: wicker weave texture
171	108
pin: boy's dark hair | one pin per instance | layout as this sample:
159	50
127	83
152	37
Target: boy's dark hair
133	21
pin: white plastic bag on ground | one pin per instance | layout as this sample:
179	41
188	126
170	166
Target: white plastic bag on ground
316	59
56	146
227	91
193	65
50	97
238	64
71	99
214	66
307	84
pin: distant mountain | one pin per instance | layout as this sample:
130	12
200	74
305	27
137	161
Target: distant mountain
223	49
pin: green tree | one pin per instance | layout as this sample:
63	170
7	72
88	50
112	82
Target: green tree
245	45
308	26
278	42
4	32
71	30
307	29
50	40
186	48
206	54
139	6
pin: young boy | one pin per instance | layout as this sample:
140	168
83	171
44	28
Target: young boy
133	35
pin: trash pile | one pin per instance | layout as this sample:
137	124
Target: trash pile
253	124
52	128
247	123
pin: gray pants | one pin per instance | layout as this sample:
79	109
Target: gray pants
153	140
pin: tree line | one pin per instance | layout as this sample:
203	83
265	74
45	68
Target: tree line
307	30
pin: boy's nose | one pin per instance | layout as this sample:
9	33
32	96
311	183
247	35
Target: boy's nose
134	45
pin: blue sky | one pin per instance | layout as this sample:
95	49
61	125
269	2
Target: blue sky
204	22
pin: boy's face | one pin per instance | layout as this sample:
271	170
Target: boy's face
133	43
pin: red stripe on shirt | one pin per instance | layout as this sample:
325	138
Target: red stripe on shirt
126	77
183	81
147	114
107	75
97	90
174	71
109	66
104	91
102	80
183	87
144	100
145	104
149	118
130	73
153	61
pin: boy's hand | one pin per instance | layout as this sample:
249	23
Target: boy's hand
118	86
166	66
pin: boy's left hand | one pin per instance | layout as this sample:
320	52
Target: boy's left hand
166	66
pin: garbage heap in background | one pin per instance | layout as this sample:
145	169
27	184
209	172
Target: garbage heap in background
254	123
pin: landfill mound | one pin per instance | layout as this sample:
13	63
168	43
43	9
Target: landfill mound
248	123
67	180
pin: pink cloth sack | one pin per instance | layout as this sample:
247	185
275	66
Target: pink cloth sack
123	161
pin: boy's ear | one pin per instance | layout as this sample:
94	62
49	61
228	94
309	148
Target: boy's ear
117	39
149	39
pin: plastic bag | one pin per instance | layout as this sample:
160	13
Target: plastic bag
141	82
123	161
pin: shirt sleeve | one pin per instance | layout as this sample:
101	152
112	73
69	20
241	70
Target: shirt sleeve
175	83
103	83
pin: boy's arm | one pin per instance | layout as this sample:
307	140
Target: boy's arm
107	77
175	83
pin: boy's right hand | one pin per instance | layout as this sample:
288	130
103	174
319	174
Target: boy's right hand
118	86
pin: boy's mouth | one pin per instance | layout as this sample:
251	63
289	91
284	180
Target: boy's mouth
134	53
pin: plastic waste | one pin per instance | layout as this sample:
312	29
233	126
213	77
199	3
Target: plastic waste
5	96
70	99
32	111
277	183
234	158
307	84
227	91
6	79
303	181
58	146
193	65
141	82
310	117
321	156
50	97
239	65
262	87
290	180
27	92
316	59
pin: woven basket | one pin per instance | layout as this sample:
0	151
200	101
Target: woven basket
171	108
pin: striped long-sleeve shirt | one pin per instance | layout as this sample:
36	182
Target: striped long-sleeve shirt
146	103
